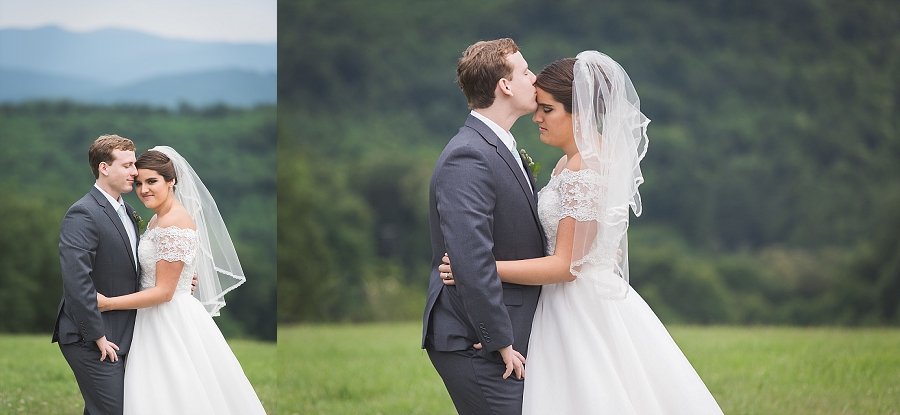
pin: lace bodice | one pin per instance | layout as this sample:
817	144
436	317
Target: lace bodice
170	244
567	195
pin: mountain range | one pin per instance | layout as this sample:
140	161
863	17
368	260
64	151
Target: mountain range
122	66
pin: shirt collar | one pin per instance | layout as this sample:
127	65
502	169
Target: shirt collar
115	203
505	136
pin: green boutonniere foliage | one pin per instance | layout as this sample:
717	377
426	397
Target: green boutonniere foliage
535	167
142	224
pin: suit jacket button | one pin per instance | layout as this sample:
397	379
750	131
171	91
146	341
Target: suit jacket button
487	339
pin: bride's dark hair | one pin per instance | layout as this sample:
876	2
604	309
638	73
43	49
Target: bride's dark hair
556	79
158	162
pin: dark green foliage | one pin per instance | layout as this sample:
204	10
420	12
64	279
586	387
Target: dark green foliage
29	263
774	147
45	155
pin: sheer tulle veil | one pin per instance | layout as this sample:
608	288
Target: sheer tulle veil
611	135
218	268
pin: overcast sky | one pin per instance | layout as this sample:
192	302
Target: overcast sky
240	21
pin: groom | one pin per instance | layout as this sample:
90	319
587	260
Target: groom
97	252
482	210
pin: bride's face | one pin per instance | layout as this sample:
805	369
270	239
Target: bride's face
152	188
553	121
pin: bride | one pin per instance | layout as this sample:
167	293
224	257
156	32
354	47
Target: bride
596	347
179	362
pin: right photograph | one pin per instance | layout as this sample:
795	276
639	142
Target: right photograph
576	208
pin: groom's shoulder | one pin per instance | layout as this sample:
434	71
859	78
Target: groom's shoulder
85	203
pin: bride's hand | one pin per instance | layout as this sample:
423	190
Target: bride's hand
102	302
446	272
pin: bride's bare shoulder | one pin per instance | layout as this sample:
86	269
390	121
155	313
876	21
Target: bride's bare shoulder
561	164
574	163
177	217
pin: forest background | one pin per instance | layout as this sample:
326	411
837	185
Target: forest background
45	170
772	192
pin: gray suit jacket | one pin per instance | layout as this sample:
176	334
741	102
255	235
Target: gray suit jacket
482	209
95	255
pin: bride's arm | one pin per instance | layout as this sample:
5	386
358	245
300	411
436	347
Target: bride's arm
545	270
536	271
167	274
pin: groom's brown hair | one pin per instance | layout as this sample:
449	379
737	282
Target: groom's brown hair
481	67
102	148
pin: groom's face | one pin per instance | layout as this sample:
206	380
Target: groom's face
121	172
522	84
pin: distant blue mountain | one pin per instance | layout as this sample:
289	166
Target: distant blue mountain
228	86
18	85
232	87
118	57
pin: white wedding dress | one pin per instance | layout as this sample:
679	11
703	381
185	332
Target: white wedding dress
179	363
589	355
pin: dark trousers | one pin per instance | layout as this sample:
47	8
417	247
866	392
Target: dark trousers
102	384
476	385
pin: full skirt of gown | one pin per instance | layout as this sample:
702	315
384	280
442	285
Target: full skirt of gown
597	356
179	363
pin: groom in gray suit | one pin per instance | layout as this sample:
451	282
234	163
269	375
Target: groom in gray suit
98	253
483	209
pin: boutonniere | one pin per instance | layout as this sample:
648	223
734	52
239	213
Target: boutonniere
535	167
142	224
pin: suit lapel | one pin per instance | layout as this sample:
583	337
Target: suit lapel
114	217
506	155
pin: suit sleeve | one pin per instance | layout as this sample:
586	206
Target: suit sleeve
78	241
465	196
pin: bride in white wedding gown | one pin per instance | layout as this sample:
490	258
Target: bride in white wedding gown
596	347
179	363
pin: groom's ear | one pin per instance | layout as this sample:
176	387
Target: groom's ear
503	87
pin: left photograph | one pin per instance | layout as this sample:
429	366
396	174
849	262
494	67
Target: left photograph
138	246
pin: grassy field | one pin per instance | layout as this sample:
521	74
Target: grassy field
35	379
379	369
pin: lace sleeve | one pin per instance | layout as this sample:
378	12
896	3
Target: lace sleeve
176	244
578	191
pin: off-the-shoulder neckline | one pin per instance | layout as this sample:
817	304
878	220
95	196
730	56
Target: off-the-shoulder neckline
170	227
564	169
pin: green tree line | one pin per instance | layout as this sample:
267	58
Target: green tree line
45	170
772	191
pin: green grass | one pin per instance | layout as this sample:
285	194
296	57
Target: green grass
379	369
357	369
35	379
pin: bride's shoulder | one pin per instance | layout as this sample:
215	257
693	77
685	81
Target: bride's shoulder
560	165
177	218
574	163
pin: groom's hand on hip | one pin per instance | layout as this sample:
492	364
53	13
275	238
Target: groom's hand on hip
514	362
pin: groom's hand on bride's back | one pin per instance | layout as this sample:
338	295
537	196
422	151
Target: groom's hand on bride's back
194	283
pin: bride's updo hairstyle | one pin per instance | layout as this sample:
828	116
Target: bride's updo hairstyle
158	162
556	79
